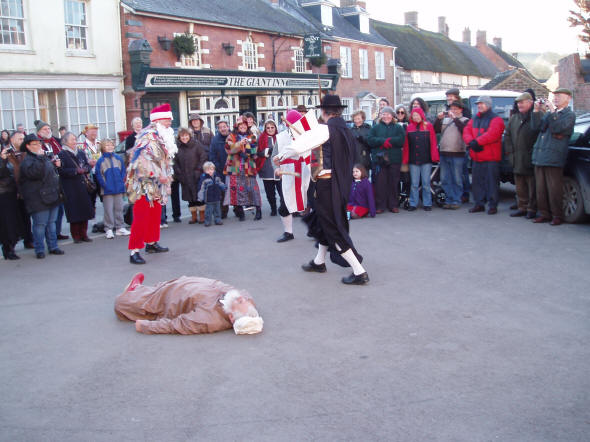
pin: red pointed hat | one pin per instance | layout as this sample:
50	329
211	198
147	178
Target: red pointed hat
162	112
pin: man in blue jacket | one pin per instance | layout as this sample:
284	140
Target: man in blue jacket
550	155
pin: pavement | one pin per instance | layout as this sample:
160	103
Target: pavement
473	328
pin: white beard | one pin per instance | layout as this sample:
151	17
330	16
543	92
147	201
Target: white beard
167	136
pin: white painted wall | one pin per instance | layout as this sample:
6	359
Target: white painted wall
45	51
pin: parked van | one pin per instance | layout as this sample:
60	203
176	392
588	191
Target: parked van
502	104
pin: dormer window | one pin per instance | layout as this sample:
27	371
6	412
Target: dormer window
364	24
321	10
327	15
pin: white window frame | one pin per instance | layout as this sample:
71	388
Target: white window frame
11	109
104	119
194	61
299	59
364	64
24	21
346	61
349	109
86	27
379	66
249	55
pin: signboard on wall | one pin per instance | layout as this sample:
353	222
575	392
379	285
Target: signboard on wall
312	46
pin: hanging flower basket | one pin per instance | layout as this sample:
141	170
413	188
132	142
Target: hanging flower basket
318	61
184	44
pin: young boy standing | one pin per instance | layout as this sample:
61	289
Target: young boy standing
210	191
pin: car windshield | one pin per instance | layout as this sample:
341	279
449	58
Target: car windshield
500	105
580	137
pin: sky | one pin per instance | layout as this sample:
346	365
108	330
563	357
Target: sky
524	25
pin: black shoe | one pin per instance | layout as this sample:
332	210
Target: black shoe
62	237
136	259
286	237
313	267
518	213
11	256
155	248
40	255
531	215
513	207
428	208
465	198
29	245
273	212
258	215
86	239
56	252
177	219
353	279
411	209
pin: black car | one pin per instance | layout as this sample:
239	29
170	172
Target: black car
576	180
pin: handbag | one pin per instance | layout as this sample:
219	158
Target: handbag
90	184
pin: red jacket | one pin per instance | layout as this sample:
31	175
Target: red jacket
425	126
487	132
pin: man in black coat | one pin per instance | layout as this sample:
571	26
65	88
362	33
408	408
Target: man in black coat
332	170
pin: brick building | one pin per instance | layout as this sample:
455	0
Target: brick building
517	79
502	60
573	73
249	57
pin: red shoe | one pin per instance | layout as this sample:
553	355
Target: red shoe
135	281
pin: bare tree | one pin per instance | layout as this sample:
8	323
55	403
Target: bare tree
581	17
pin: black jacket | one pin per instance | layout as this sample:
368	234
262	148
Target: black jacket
39	183
78	206
363	151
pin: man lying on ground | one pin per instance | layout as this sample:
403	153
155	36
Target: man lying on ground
187	305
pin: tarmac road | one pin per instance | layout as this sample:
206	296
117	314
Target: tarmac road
473	328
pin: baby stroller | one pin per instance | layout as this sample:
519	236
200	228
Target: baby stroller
438	194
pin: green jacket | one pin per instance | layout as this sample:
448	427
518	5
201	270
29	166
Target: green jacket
377	136
551	147
519	139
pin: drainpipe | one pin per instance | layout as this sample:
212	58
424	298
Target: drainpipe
394	78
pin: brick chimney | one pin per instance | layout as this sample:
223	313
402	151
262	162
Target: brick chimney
411	18
467	36
443	28
481	38
498	42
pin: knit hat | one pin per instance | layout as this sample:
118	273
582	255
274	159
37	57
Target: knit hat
524	96
39	124
387	109
162	112
485	99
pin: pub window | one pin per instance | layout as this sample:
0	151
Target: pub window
379	66
192	61
12	23
299	60
76	21
346	62
262	101
249	55
221	104
194	104
364	63
281	102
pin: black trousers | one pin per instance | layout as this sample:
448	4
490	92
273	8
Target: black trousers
330	235
26	222
283	211
270	187
175	197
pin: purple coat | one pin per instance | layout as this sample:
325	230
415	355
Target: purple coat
361	194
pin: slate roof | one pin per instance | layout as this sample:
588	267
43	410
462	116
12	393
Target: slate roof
503	76
507	57
254	14
485	65
342	28
418	49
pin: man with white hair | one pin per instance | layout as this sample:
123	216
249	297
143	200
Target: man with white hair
149	175
187	305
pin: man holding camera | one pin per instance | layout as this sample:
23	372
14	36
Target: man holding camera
550	155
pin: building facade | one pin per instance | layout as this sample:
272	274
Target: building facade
59	65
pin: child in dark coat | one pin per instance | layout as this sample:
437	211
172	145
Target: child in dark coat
210	192
361	200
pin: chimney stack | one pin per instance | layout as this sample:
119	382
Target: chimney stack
467	36
481	38
443	28
411	18
498	42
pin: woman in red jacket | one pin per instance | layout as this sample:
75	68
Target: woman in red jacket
419	151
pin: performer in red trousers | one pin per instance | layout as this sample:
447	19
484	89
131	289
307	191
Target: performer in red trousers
148	181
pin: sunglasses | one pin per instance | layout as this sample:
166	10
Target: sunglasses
401	112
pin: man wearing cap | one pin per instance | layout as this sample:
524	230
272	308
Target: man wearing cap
51	147
519	139
550	155
148	181
452	153
332	169
483	136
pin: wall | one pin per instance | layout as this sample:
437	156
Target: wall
569	72
46	52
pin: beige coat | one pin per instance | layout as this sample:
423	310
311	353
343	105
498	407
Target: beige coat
186	305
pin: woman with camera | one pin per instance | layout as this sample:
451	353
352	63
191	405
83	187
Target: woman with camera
41	191
386	139
10	223
77	186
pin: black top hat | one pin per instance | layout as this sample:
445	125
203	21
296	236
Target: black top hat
331	102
